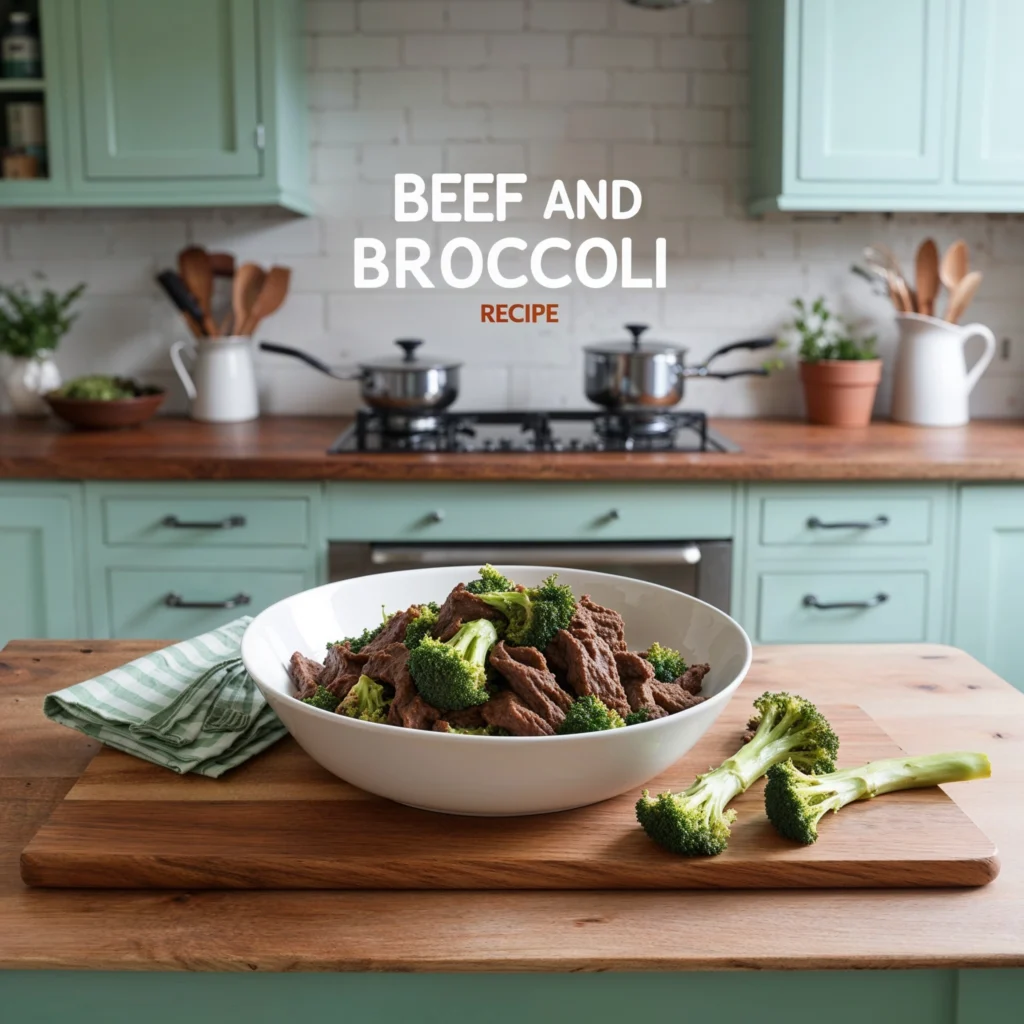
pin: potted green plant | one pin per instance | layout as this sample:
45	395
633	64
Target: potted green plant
840	373
30	331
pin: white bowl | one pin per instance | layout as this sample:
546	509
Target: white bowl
490	775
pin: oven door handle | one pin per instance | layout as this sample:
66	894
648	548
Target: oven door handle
581	555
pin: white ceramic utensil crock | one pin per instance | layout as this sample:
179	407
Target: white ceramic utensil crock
222	383
931	382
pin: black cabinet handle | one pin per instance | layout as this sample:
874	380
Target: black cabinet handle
814	523
173	600
229	523
810	601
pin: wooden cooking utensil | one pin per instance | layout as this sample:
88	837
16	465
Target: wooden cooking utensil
899	291
927	276
222	264
195	270
955	264
961	296
270	299
245	291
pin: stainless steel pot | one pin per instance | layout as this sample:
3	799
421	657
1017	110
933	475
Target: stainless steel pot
651	375
405	385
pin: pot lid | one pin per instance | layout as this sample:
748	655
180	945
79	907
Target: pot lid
617	348
410	360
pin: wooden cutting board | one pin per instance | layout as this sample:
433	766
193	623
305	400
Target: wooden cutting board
282	822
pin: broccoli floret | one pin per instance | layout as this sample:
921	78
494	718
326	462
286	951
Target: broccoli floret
668	664
491	582
422	626
535	614
357	643
589	714
322	698
365	701
639	716
695	822
484	730
795	802
453	675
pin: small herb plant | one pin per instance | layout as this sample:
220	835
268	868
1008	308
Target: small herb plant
823	335
32	326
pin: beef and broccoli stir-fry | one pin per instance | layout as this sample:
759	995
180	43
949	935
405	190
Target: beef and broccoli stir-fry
498	659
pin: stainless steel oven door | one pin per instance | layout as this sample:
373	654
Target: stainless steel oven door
700	568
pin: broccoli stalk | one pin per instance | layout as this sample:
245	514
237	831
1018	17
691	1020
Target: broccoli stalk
422	626
795	802
491	582
357	643
535	614
695	822
453	675
589	714
365	701
668	664
321	698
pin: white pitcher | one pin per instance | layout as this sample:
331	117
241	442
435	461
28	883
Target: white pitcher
222	384
931	381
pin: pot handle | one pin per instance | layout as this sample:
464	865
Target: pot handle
978	331
751	344
305	357
181	369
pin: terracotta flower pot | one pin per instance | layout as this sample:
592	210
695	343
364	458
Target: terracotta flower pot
841	392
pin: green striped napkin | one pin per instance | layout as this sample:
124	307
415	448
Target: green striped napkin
191	707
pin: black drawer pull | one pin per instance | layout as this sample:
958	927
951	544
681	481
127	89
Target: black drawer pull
230	523
810	601
173	600
814	523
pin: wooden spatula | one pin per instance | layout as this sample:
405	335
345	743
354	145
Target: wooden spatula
961	296
245	291
955	264
927	276
270	299
195	270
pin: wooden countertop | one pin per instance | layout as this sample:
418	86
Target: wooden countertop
294	448
927	697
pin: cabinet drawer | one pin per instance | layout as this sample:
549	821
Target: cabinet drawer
786	615
839	520
223	522
527	512
138	605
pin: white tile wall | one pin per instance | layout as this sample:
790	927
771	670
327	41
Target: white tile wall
559	88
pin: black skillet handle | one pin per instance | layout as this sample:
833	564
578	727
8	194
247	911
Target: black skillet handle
287	350
750	345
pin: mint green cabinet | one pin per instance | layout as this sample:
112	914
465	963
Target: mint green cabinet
887	105
990	578
40	551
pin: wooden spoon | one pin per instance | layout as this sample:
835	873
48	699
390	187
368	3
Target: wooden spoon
955	264
196	272
927	276
961	296
246	288
900	293
270	299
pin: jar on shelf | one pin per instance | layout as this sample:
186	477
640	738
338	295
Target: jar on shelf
20	55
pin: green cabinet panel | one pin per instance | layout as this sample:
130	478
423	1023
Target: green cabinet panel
846	129
851	521
990	129
990	579
40	575
169	90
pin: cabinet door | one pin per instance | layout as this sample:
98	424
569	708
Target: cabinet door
169	90
990	129
871	90
37	568
990	579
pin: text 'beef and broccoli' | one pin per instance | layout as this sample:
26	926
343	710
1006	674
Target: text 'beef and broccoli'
498	659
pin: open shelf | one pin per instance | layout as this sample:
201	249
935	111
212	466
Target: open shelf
22	84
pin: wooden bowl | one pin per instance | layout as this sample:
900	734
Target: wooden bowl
90	414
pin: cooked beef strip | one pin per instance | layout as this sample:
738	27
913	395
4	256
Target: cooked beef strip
636	675
408	708
693	678
606	623
469	718
393	632
748	732
459	607
507	711
528	676
304	672
342	669
589	666
442	726
674	698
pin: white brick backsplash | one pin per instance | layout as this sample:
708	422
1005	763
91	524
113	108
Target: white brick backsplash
556	88
502	86
613	52
571	85
491	16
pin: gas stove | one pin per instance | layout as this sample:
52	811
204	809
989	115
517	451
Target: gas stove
560	431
